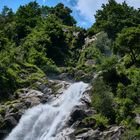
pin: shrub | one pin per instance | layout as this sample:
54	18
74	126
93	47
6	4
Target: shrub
102	99
123	110
18	76
132	134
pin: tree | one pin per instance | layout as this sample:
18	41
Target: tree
7	23
48	37
102	98
7	12
128	42
3	41
45	10
114	17
63	13
27	18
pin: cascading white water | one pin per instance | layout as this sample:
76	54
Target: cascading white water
46	122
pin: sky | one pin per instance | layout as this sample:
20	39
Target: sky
83	10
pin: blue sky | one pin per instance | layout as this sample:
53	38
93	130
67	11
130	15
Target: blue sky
83	10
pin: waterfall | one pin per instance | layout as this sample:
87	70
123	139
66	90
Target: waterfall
46	122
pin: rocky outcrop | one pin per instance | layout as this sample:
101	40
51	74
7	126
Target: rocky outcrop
114	133
11	111
87	131
45	91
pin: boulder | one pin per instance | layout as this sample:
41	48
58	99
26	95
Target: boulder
76	115
90	134
114	133
137	119
90	62
10	121
64	76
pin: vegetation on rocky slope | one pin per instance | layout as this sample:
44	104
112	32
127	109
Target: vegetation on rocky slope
47	40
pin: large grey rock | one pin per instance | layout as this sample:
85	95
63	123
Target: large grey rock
90	62
114	133
137	119
76	115
89	135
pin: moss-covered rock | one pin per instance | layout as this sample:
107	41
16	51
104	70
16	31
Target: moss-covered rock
18	75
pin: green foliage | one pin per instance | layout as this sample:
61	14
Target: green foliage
101	121
7	12
96	53
121	91
3	41
27	17
102	99
132	134
123	110
33	41
118	78
136	110
90	53
49	39
134	88
103	43
17	76
128	42
64	14
6	16
108	63
38	40
113	17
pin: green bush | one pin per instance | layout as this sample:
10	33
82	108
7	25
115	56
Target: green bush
18	76
102	99
103	43
132	134
123	109
121	91
99	120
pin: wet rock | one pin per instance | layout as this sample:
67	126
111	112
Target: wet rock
90	134
6	125
114	133
82	76
63	76
76	115
79	73
10	122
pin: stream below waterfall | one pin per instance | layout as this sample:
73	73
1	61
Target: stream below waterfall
48	121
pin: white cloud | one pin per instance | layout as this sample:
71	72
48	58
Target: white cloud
88	8
85	8
135	3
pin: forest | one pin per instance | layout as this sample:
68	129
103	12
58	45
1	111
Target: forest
38	41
